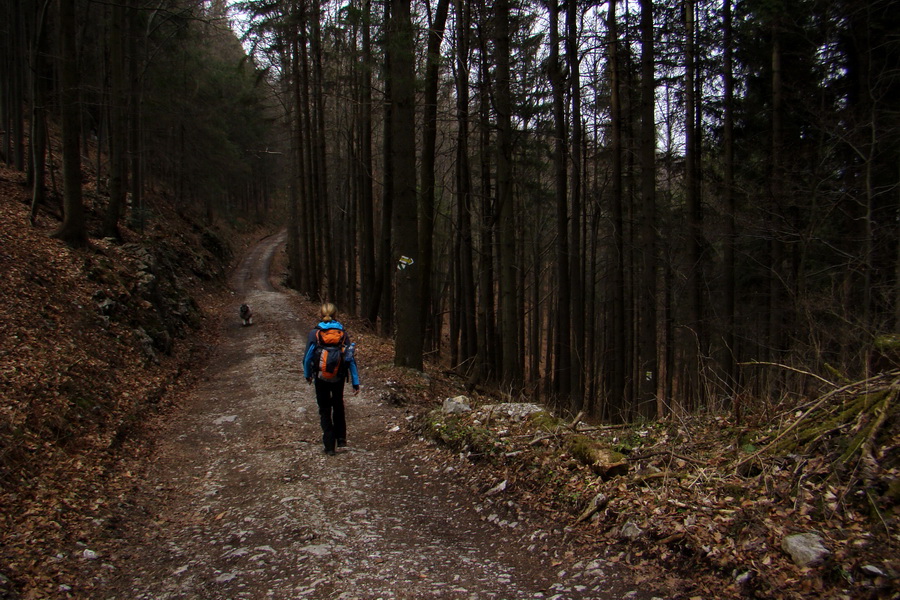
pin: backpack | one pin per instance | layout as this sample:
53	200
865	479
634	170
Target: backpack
328	356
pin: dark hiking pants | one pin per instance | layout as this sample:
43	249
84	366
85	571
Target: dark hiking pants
330	398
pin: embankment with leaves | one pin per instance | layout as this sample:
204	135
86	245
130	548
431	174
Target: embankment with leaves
91	342
701	506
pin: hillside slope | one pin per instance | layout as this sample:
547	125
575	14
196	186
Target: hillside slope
90	342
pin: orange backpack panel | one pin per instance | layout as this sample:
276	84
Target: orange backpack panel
329	354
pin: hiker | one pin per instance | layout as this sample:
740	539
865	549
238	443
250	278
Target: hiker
329	361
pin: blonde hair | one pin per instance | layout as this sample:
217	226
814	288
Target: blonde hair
328	312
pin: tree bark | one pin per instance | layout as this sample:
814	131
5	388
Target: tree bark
563	347
576	252
291	91
314	214
647	351
728	356
383	294
367	199
692	334
775	308
134	120
488	365
73	230
408	275
39	85
509	318
318	152
426	178
117	121
617	400
13	54
467	320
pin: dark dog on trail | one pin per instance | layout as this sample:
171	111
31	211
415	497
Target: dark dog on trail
246	315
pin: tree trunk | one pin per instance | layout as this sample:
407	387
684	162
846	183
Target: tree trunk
728	362
117	122
290	90
562	378
775	308
509	318
488	365
429	137
325	245
467	304
14	63
134	108
408	275
72	231
617	400
383	293
691	332
42	73
367	208
576	252
647	350
314	214
537	287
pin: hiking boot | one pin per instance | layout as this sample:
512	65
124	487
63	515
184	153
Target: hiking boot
342	443
329	452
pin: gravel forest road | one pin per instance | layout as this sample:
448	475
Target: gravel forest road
241	502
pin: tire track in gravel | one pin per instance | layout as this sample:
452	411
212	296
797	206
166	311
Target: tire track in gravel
240	502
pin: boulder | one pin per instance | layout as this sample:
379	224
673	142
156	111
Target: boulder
806	549
631	531
457	405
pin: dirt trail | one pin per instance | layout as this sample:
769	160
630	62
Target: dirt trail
240	501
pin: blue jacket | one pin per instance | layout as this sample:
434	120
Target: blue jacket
311	344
